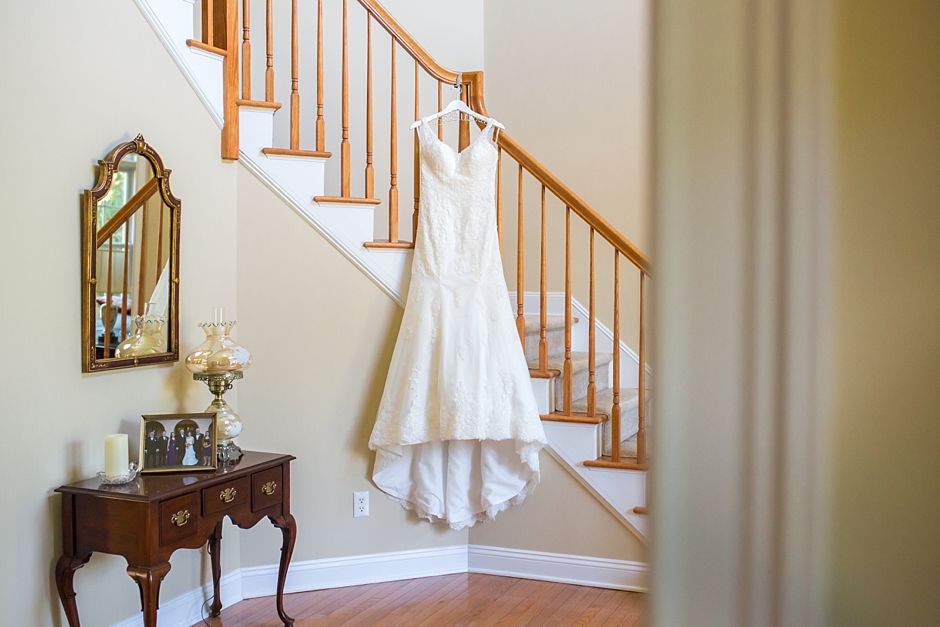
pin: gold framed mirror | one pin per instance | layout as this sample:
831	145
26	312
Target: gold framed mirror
130	262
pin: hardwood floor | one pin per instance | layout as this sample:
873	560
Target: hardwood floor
447	601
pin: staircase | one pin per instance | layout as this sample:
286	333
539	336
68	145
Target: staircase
595	426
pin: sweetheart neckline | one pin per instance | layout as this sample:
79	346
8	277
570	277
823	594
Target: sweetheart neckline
458	153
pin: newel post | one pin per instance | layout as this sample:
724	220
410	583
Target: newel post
230	80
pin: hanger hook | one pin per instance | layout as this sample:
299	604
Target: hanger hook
459	84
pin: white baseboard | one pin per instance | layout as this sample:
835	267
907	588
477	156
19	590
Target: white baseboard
356	570
247	583
575	569
187	609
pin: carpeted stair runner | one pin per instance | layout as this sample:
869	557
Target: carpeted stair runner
629	417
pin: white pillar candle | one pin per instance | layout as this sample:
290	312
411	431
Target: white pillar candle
116	458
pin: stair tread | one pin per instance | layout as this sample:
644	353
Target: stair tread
604	400
579	361
533	323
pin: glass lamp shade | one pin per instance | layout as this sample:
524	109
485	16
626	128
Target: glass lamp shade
148	338
219	353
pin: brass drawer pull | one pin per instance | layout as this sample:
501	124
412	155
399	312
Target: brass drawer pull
269	488
180	518
227	495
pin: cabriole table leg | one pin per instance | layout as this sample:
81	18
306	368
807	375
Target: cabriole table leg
64	573
149	580
289	530
215	545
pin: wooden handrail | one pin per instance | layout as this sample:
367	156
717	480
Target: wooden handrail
474	80
121	216
409	43
569	198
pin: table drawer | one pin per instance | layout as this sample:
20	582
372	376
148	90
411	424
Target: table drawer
179	518
267	488
225	496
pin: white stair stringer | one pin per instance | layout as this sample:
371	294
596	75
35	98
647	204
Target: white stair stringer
620	491
297	180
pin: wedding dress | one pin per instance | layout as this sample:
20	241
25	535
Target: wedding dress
458	433
189	459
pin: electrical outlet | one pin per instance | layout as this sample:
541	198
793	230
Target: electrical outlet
360	504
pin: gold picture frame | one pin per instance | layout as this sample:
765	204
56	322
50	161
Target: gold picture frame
177	443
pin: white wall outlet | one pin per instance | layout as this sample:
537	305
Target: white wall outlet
360	504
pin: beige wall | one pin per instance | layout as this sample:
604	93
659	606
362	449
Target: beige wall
886	492
73	89
560	517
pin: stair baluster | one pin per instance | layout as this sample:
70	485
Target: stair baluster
213	23
464	123
108	323
159	266
321	124
124	290
592	357
641	392
499	198
269	49
370	171
208	16
141	283
615	435
417	156
567	371
520	271
246	49
543	295
393	159
294	80
344	146
440	106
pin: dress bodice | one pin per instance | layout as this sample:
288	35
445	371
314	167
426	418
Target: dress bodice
457	217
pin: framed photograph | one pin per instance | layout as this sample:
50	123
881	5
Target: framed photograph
177	443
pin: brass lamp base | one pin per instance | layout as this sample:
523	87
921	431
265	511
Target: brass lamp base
227	423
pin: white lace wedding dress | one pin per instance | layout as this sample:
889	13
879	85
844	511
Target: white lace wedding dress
458	433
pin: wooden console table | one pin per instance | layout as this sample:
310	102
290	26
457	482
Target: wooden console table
146	520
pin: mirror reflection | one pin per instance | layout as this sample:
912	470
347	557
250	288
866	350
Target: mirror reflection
132	263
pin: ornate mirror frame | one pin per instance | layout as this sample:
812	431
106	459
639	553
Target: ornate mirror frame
108	166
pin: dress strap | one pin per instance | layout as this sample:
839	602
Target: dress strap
492	129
